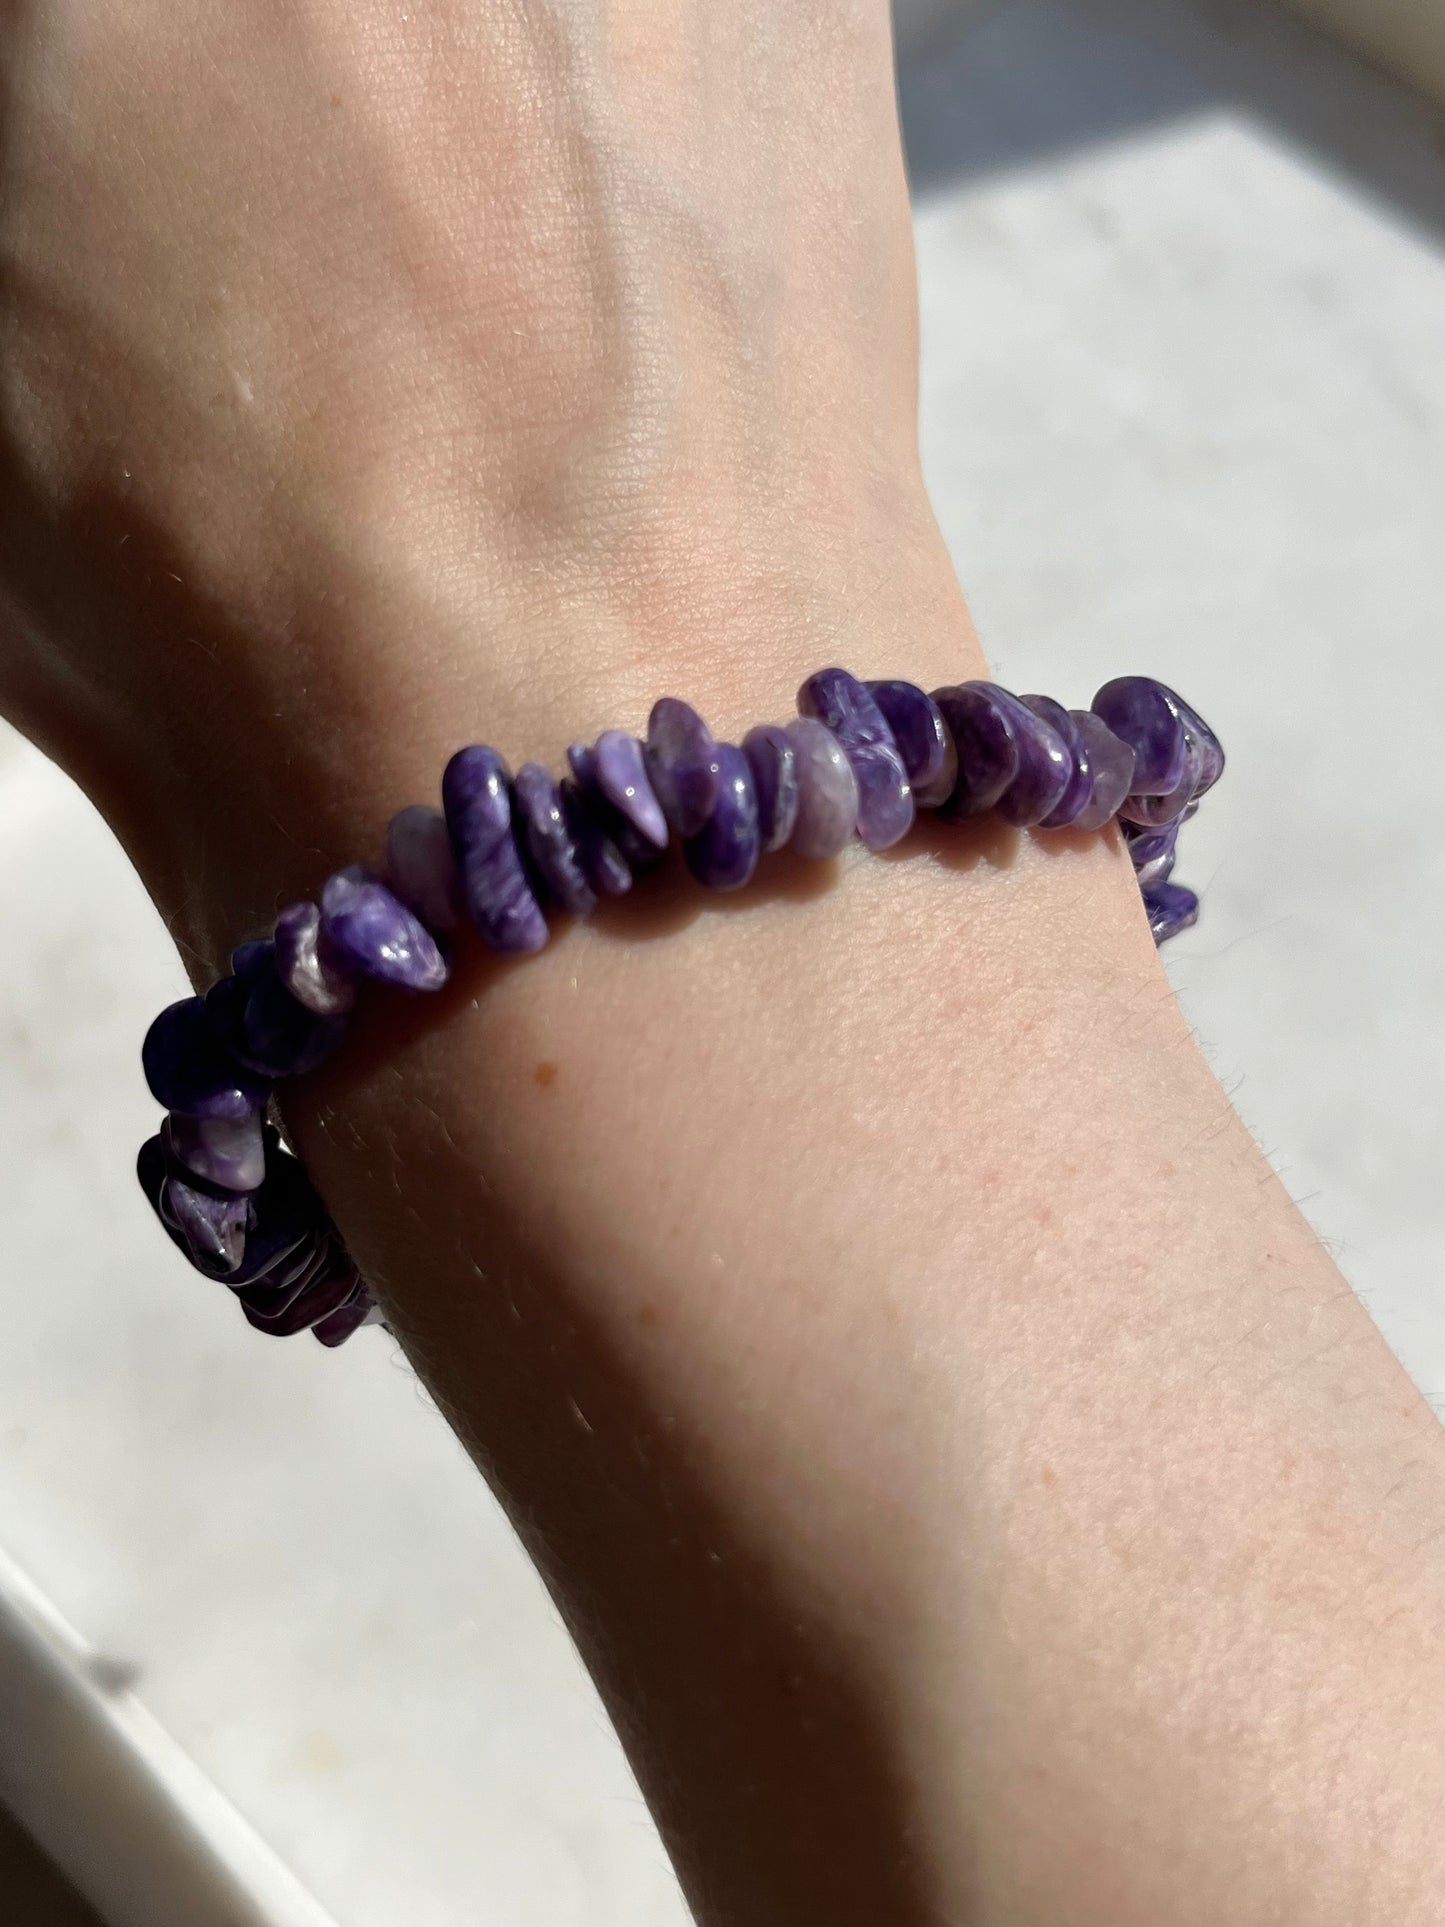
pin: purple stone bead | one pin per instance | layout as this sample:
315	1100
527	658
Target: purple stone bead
261	1022
336	1285
476	795
603	864
1152	853
827	792
1145	715
1079	791
1203	748
637	851
190	1071
214	1225
622	778
885	801
421	868
682	765
1171	908
979	716
309	966
1111	765
724	853
372	930
228	1152
338	1326
773	760
923	738
1044	773
543	824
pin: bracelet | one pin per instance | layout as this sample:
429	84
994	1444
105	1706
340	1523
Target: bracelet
504	849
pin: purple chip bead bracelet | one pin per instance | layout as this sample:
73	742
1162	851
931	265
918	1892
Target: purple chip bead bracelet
862	758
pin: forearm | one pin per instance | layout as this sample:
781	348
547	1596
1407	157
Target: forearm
976	1492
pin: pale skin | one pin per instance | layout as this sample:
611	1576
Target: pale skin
978	1497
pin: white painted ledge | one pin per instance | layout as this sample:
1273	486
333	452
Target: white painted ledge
121	1809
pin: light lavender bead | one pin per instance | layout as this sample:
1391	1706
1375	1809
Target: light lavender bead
773	761
308	966
622	779
885	801
1111	762
827	791
229	1152
421	866
373	931
476	795
681	764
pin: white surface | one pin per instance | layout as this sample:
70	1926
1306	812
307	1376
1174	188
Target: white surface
1185	411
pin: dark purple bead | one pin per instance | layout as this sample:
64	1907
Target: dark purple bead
1111	766
476	796
551	846
334	1286
225	1152
885	802
338	1325
773	760
308	965
1152	853
1079	791
213	1224
986	740
1145	715
924	740
190	1071
622	778
421	868
682	765
1203	748
1171	908
374	932
724	853
263	1024
1044	772
603	864
637	851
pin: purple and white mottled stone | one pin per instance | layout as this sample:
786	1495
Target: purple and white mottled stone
827	792
190	1070
228	1152
681	764
724	853
606	869
1152	853
372	931
924	740
308	965
638	852
842	704
622	777
986	744
1045	770
1079	790
550	843
773	760
338	1325
1170	909
476	798
1145	715
262	1024
1111	765
422	868
336	1285
213	1224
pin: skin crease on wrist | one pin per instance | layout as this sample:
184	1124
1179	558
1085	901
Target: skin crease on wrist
978	1497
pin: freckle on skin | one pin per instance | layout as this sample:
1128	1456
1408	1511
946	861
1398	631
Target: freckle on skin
1048	1476
647	1314
546	1075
